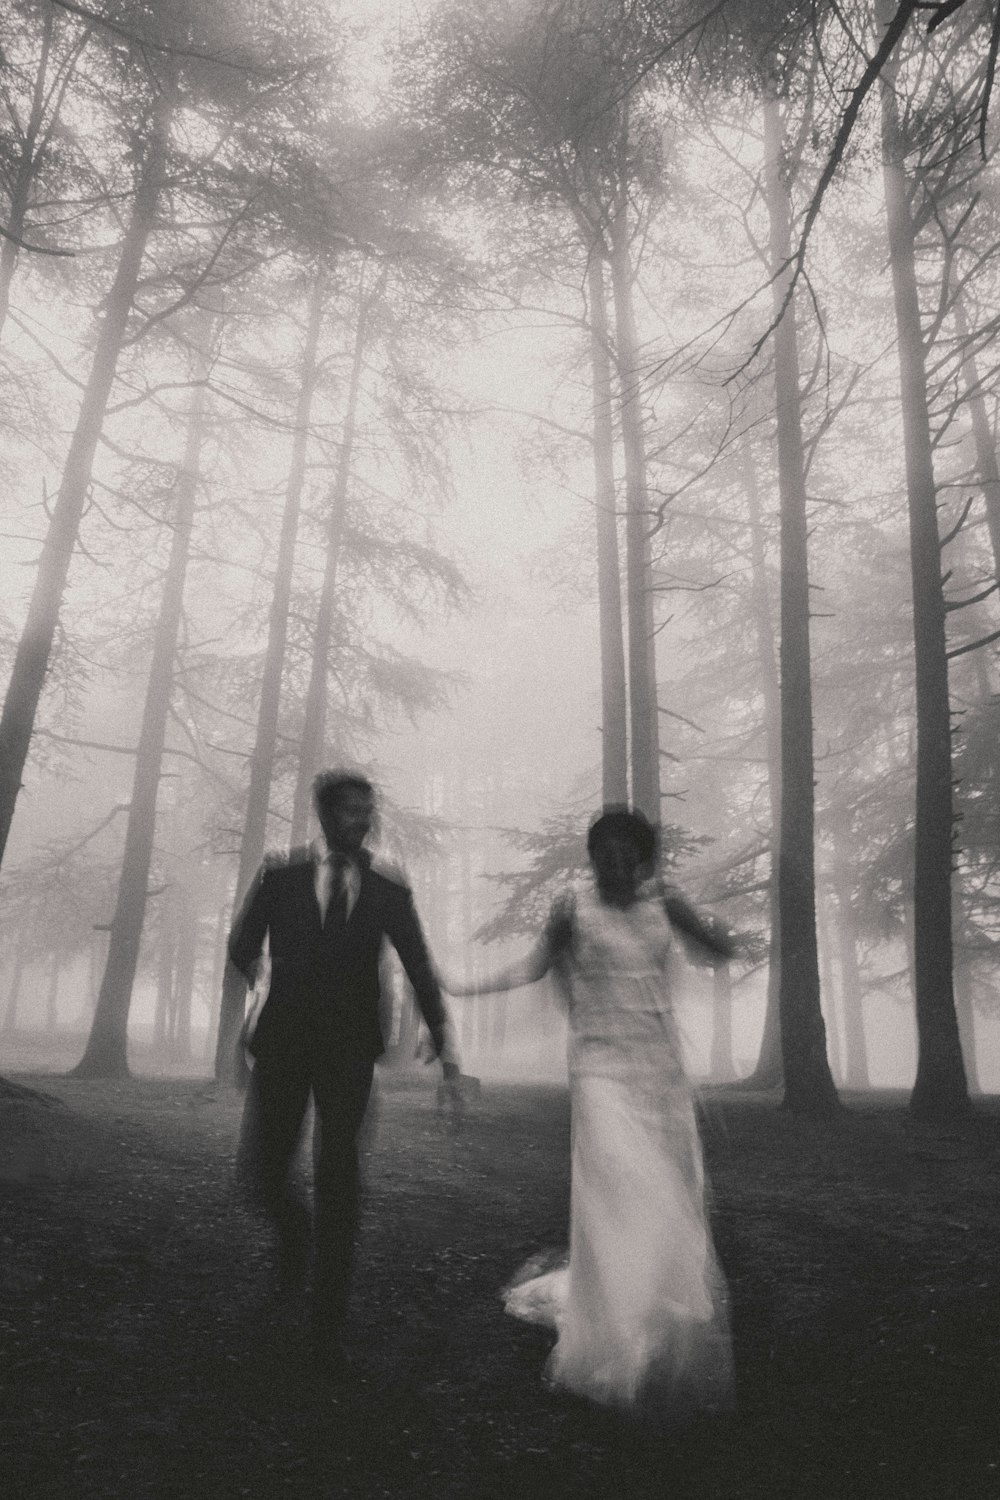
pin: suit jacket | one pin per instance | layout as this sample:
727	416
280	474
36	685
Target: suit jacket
325	992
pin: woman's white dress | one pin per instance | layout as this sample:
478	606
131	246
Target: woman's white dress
640	1307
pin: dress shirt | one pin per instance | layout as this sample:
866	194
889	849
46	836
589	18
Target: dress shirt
327	864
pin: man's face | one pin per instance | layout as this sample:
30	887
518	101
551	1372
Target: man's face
347	821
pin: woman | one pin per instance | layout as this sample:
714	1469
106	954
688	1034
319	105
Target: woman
639	1308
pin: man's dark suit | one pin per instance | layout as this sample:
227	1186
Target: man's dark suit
319	1031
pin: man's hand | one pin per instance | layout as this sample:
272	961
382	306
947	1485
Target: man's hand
451	1095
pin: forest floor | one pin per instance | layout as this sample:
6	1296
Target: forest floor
142	1356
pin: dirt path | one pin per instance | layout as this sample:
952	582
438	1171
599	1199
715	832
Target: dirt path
142	1355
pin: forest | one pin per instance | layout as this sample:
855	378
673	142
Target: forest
540	404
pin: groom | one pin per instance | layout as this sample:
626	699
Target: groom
325	913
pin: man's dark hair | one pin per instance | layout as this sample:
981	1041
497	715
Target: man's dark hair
329	786
624	823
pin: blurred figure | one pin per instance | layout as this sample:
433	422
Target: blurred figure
325	914
640	1307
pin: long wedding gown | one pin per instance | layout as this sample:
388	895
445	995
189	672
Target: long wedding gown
640	1308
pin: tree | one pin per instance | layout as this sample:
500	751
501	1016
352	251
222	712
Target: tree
106	1053
809	1087
940	1089
549	105
314	720
35	645
41	54
614	709
252	842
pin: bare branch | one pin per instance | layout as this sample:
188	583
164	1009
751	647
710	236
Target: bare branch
796	261
171	48
35	249
985	640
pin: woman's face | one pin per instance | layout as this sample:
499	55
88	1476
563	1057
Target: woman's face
616	864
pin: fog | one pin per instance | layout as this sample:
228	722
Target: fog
361	241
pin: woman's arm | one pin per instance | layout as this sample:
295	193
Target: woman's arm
555	939
523	971
710	934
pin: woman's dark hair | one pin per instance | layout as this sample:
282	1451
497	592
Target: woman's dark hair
624	823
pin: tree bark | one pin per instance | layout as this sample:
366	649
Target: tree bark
164	974
35	645
643	699
809	1086
851	987
827	988
768	1071
940	1090
965	1011
215	984
468	928
311	749
187	954
26	167
14	993
720	1064
106	1054
614	701
229	1063
982	436
52	993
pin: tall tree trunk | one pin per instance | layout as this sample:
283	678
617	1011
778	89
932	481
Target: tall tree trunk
52	993
768	1071
106	1054
940	1090
93	970
468	927
809	1086
851	987
314	719
643	699
965	1011
215	982
187	954
34	648
164	971
24	174
14	993
229	1064
982	436
614	700
720	1064
498	1032
827	988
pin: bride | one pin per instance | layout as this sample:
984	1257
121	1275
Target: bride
639	1307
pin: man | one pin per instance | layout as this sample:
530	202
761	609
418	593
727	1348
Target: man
325	913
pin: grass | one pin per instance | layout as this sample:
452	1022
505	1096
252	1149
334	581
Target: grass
143	1356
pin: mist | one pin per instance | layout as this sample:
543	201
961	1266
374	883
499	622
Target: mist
534	430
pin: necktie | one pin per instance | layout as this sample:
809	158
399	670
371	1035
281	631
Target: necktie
338	909
332	890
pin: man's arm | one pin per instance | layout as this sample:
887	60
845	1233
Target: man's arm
251	923
406	935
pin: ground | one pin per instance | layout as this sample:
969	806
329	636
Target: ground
143	1354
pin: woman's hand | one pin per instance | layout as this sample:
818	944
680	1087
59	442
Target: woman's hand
460	990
